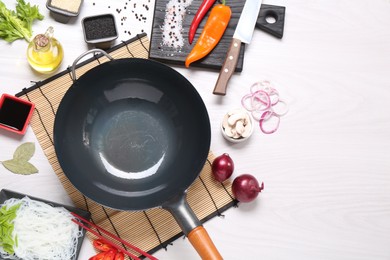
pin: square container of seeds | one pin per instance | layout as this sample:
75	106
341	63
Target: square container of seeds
63	10
100	30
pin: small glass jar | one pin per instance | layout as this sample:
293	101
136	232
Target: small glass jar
45	53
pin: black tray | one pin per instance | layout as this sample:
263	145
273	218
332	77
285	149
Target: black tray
7	194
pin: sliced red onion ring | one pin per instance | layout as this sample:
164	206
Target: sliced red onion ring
247	103
283	111
266	87
274	97
261	100
256	114
260	85
264	104
267	115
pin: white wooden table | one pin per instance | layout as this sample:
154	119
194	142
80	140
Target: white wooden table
326	170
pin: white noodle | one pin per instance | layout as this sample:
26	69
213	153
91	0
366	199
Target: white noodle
43	232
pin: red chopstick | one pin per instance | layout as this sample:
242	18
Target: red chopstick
111	244
112	236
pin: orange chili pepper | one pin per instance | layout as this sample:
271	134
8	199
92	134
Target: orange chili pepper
212	33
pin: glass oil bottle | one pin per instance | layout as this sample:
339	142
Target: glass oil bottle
44	52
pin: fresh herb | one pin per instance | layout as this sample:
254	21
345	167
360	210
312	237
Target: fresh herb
7	215
19	163
18	25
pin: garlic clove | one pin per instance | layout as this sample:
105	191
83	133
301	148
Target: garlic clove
240	127
228	131
236	135
247	130
232	120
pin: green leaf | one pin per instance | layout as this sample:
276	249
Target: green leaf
17	25
28	13
12	27
20	167
24	152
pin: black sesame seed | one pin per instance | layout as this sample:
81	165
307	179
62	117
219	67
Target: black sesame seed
101	27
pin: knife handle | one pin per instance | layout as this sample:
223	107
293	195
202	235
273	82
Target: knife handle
228	67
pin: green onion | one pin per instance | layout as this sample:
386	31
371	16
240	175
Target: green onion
7	215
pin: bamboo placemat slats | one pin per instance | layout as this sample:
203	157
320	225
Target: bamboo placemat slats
151	229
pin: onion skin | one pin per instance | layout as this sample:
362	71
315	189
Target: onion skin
222	167
246	188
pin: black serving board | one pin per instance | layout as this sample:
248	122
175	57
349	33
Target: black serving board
7	194
177	56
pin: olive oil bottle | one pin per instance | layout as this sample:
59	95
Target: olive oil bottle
44	52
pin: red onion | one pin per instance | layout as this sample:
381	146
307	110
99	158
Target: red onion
246	188
222	167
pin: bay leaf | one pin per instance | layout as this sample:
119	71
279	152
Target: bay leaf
20	167
24	152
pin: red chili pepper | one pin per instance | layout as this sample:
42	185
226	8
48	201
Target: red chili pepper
99	256
202	11
102	245
119	256
110	255
212	33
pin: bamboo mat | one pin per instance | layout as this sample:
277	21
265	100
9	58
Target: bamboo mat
149	230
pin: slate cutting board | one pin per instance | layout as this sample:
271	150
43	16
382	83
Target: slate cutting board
215	59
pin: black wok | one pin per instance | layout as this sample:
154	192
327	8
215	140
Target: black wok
133	134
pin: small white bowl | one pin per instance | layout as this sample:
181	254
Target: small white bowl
239	139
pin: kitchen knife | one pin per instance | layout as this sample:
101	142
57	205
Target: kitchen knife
242	34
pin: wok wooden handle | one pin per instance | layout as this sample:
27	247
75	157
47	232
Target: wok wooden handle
203	244
228	67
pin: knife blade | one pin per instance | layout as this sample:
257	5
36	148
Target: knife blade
242	34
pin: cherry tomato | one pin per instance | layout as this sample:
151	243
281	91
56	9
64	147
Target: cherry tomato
102	245
119	256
